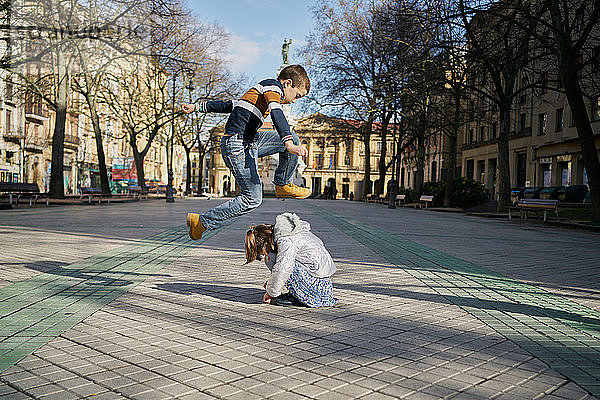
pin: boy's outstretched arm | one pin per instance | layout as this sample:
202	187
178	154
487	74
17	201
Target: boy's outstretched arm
283	128
212	106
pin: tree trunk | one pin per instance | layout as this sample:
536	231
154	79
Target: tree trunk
382	164
586	140
419	174
452	144
188	177
57	184
367	181
138	158
104	184
503	158
201	155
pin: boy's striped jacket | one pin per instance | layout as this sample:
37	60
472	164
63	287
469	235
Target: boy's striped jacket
249	112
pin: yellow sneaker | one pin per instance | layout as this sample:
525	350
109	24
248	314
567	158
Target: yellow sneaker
291	191
196	227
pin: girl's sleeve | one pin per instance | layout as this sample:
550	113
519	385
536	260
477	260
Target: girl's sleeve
284	266
270	261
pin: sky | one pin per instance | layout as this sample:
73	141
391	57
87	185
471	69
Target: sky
257	29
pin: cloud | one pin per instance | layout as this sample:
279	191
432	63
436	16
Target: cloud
244	54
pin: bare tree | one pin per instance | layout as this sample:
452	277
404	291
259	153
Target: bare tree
345	62
202	53
453	67
568	54
46	33
498	45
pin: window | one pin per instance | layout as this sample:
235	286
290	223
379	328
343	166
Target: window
544	83
9	90
494	130
596	108
542	121
580	18
8	121
482	133
318	161
470	169
596	59
522	119
471	138
559	119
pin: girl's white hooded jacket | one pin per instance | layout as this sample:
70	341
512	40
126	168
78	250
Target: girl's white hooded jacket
295	242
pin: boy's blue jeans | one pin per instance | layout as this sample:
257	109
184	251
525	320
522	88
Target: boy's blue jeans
242	160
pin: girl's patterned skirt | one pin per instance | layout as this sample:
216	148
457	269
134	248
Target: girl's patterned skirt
311	291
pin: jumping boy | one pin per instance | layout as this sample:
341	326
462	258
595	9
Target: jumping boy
242	145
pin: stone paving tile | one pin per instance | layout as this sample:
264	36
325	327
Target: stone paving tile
431	267
197	324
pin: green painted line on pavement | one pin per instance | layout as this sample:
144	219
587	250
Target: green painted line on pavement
558	331
37	310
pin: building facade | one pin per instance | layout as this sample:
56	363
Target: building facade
334	166
26	131
544	148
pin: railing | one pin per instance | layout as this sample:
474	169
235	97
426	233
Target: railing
36	109
72	140
12	136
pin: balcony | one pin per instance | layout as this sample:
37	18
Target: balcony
35	147
35	111
14	137
71	142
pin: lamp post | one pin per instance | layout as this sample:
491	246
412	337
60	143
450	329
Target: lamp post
171	139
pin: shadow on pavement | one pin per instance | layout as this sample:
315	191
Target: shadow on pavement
518	308
231	293
89	276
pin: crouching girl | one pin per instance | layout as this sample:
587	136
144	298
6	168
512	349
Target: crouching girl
299	262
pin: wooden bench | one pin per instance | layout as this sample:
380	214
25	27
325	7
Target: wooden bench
16	191
535	205
381	198
92	193
369	198
400	199
136	192
425	200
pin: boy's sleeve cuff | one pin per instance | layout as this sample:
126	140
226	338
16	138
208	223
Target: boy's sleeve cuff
200	107
286	138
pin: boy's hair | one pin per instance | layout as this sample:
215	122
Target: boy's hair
259	241
297	74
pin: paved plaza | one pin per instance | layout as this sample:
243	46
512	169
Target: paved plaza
115	302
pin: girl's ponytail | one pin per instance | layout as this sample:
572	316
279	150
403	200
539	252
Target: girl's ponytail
259	242
250	246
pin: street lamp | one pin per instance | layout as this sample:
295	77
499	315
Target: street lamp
171	140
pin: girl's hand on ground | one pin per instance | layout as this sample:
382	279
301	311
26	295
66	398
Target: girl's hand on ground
267	298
